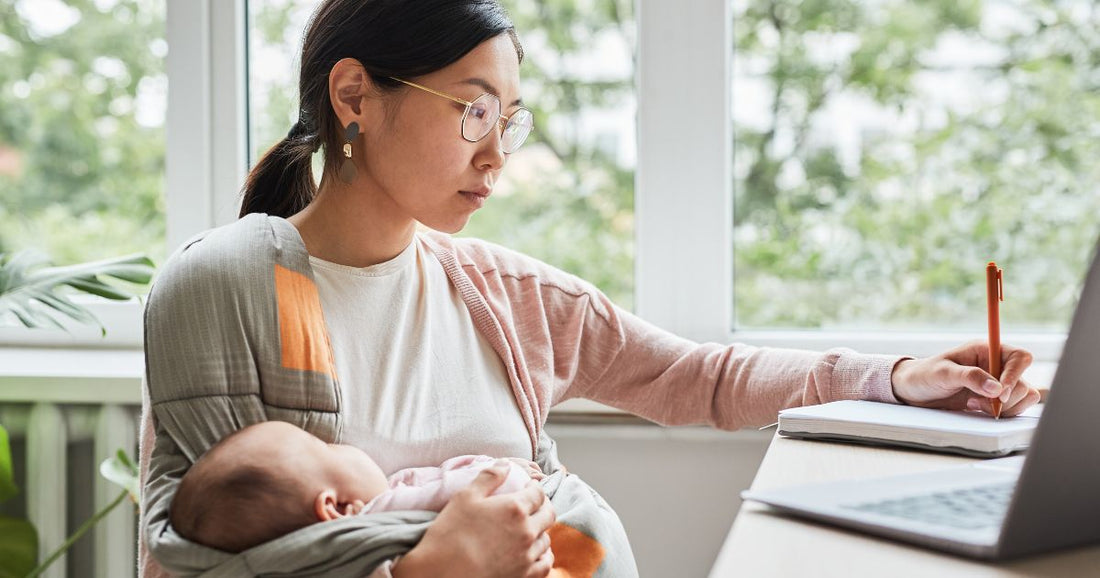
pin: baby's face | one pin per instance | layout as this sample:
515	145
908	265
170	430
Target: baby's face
352	471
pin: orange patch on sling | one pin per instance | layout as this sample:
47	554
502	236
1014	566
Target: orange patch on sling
301	323
575	554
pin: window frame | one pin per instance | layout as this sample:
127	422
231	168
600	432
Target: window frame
684	274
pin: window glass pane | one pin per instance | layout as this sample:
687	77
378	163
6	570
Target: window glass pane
567	196
83	94
275	32
886	150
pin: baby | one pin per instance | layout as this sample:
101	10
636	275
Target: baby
272	478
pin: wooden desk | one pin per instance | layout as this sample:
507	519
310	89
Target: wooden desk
764	544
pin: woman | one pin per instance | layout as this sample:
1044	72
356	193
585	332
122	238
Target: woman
323	306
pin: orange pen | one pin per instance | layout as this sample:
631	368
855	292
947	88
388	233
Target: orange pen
994	290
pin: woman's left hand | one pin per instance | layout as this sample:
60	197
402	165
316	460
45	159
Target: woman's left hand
959	379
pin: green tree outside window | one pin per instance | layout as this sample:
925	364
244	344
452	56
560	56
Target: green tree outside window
976	126
82	97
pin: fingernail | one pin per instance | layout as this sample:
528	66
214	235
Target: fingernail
991	386
1006	394
972	404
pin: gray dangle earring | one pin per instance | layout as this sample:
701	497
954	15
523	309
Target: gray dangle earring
347	167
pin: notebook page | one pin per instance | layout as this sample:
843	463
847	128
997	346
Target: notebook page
914	418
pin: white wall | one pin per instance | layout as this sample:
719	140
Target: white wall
675	489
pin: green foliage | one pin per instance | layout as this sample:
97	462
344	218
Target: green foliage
81	128
18	538
29	290
898	236
18	547
7	479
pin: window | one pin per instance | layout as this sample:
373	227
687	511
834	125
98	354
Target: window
885	150
275	32
82	110
567	196
911	143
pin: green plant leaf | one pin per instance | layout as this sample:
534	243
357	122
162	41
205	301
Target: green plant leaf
132	268
7	479
61	304
29	288
121	470
18	547
125	459
31	318
96	287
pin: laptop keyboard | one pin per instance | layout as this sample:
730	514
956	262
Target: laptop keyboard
967	508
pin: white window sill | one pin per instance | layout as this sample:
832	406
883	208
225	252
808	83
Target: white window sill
87	375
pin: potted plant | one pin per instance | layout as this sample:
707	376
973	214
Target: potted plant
34	293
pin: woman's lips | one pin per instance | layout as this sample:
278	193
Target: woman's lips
481	192
475	198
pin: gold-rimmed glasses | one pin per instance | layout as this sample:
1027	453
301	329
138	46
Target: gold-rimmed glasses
483	113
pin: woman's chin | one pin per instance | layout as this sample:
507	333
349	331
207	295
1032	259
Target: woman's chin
449	227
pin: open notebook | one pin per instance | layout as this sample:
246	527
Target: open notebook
868	422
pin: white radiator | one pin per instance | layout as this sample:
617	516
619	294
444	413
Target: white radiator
66	412
55	476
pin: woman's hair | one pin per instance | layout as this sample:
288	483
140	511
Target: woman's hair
402	38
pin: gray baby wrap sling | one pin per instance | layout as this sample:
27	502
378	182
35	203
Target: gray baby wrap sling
234	335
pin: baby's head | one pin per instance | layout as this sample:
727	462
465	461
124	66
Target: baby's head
267	480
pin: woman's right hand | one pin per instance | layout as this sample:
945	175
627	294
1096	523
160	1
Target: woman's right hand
478	534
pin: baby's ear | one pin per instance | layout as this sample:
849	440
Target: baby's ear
326	506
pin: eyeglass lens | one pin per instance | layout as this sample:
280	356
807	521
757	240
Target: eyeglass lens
484	113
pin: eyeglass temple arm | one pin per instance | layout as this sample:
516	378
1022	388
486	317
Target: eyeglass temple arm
435	92
503	117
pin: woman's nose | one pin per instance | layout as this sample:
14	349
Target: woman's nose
490	156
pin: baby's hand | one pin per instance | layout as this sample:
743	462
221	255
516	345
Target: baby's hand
530	467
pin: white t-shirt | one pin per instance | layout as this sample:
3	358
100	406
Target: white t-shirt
419	382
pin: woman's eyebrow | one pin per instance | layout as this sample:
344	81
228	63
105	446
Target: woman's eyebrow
488	87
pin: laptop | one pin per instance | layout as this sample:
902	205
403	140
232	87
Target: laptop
999	509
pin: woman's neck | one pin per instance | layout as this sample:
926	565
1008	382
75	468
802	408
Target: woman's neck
353	227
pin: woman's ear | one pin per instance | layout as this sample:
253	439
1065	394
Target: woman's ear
327	507
348	87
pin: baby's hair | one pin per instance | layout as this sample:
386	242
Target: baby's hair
234	504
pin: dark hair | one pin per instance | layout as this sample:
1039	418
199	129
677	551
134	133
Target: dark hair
402	38
225	503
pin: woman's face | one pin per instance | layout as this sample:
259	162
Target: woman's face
418	158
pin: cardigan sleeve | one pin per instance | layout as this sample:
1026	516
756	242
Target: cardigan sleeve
567	339
623	361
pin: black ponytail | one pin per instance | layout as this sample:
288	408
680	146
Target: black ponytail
402	38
